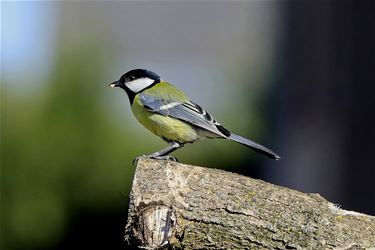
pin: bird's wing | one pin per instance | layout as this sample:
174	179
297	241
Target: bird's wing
192	113
186	111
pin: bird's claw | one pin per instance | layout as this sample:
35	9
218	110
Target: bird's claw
156	157
165	157
136	159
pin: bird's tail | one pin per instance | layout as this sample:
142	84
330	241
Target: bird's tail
254	146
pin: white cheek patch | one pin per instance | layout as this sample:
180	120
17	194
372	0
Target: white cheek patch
139	84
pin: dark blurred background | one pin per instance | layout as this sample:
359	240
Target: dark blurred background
297	76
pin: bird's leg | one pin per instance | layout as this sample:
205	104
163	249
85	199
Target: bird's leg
168	150
163	154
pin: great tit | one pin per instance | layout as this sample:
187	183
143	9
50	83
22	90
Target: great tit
170	114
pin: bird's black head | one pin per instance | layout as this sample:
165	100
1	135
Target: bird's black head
139	73
135	81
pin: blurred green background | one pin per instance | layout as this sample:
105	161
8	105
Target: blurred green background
294	76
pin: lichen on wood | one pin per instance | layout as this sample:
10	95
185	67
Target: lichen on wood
188	207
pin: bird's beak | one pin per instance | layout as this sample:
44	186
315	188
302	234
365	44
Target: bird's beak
114	84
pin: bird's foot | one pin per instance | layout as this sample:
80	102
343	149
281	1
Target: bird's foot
136	159
164	157
156	157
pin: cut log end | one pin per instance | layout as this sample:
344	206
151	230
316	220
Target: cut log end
153	225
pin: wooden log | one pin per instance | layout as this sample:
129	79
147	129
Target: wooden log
173	205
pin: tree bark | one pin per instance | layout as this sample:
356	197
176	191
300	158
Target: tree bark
179	206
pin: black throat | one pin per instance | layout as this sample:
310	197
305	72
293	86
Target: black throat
130	94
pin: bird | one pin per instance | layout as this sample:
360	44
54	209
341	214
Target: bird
169	113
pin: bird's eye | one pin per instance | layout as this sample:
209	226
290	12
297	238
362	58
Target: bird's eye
122	79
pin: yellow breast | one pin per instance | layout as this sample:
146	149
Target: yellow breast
166	127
